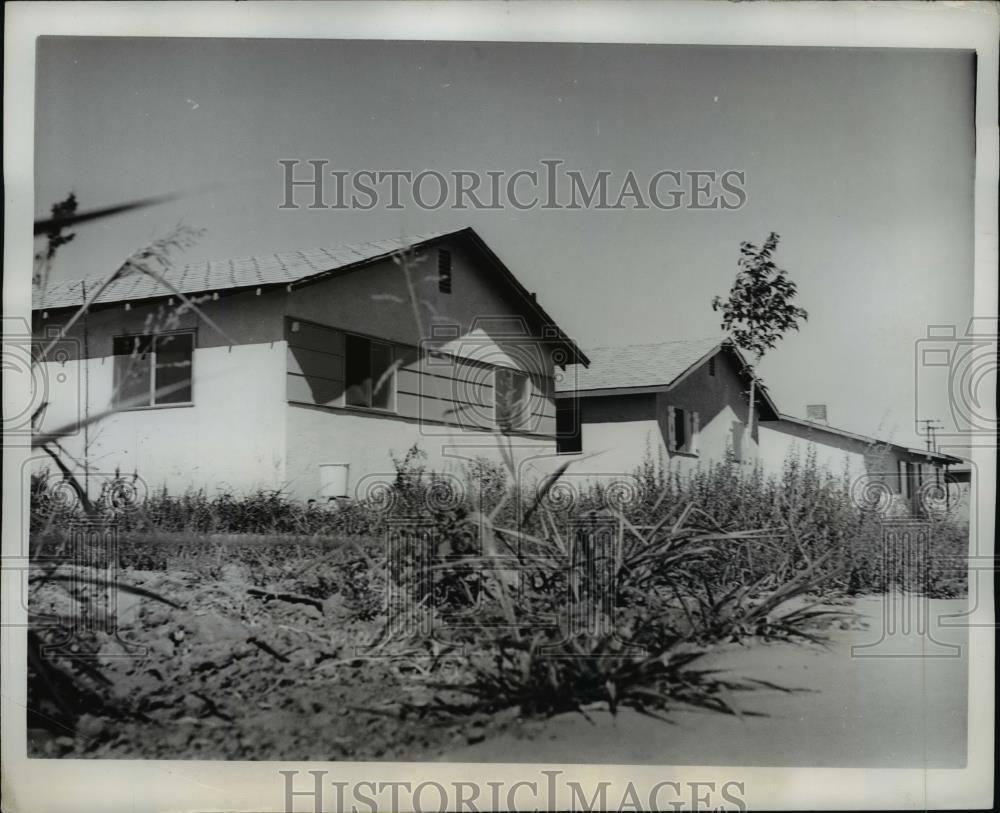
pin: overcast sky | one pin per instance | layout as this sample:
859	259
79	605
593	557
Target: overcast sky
861	160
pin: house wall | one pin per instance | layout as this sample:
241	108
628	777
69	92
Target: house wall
620	430
781	440
231	437
862	462
367	443
443	402
268	404
435	389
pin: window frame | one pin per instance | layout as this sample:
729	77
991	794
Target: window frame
370	389
154	339
692	429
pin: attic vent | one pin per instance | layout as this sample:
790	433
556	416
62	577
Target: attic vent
711	366
444	271
816	413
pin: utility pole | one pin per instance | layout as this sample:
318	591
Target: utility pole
929	429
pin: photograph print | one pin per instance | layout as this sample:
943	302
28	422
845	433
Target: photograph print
502	402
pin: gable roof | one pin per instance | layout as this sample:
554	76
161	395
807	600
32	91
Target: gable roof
219	275
812	426
290	268
652	367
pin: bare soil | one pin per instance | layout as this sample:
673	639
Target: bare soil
240	674
237	675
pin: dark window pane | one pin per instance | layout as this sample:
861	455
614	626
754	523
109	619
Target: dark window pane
680	430
444	271
382	375
133	373
568	435
173	368
357	371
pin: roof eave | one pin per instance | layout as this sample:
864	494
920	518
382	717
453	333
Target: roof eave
577	356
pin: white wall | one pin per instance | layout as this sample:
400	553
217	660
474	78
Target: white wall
775	446
232	437
318	436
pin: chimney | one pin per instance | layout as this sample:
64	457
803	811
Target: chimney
816	413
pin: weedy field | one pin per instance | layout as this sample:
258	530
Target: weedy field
428	617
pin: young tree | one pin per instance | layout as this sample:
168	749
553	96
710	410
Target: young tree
759	309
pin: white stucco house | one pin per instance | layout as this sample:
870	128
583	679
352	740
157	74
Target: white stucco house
686	403
681	401
311	369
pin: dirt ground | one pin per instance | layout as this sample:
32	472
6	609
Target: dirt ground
239	675
242	676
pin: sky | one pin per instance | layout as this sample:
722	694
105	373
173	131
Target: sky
861	160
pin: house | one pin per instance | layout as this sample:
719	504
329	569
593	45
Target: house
681	401
910	478
686	403
307	368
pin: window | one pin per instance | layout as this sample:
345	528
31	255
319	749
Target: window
711	366
682	430
444	271
511	393
153	370
904	478
569	439
370	376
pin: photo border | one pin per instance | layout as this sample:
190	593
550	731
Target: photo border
39	785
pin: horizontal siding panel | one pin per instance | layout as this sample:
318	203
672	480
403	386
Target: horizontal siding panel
313	390
431	409
453	368
312	362
544	426
430	386
314	337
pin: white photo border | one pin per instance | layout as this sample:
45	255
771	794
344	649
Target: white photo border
107	786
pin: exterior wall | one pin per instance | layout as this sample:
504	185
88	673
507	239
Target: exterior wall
232	437
722	408
268	407
368	442
780	440
620	430
233	434
862	462
443	402
434	389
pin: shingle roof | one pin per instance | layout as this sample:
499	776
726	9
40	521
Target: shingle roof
278	269
216	275
638	365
